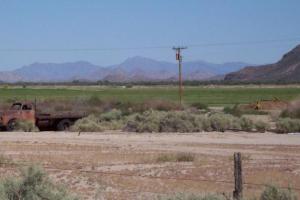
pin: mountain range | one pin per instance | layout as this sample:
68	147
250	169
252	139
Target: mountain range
286	69
132	69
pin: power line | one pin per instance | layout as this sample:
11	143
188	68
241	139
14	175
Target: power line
237	43
245	42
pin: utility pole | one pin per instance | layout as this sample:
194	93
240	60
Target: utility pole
179	58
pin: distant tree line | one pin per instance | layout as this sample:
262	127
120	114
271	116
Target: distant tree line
152	83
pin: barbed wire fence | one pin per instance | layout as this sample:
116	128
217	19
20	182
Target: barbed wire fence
237	182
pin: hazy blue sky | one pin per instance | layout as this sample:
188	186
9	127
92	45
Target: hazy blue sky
64	24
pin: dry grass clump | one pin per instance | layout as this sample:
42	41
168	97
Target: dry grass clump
261	126
179	157
222	122
185	157
246	124
180	122
25	126
276	193
148	121
235	110
288	125
112	115
112	120
87	124
32	184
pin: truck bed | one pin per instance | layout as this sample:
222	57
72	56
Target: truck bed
60	115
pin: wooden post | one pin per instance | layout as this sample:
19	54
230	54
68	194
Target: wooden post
238	177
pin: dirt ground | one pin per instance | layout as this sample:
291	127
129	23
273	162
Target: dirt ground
116	165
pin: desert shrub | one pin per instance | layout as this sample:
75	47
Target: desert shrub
221	122
193	197
112	125
235	124
32	184
87	124
235	110
181	121
184	122
275	193
26	126
114	114
148	121
200	106
292	110
246	124
203	123
172	121
287	113
178	122
112	120
287	125
126	108
261	126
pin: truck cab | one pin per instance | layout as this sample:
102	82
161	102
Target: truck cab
17	111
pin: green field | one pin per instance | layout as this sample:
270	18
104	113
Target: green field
218	96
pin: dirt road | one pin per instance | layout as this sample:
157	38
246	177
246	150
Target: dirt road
117	165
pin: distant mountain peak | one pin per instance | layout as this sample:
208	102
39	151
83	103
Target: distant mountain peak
286	69
139	60
135	68
293	55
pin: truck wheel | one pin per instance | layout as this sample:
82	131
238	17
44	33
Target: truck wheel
64	125
11	125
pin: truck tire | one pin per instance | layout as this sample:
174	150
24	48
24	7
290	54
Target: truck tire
64	125
11	125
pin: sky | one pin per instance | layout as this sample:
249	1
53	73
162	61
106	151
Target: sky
47	30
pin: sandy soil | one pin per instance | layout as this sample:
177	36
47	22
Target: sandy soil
115	165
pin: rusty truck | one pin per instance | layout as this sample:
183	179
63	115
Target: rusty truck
58	121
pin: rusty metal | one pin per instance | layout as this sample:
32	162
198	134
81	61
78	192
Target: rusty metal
27	111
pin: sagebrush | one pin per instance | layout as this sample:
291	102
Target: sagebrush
33	184
26	126
272	192
288	125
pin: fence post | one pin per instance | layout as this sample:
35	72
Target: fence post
238	177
